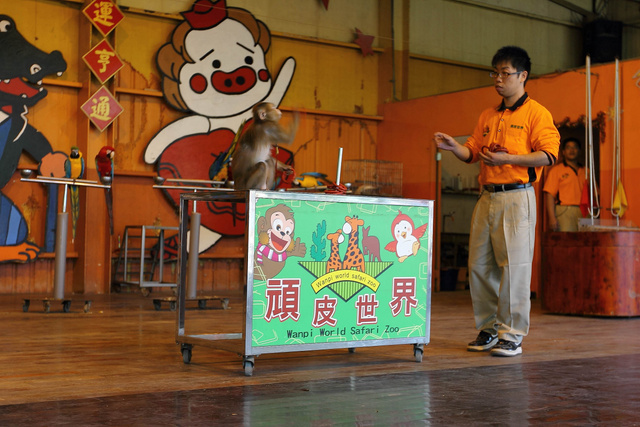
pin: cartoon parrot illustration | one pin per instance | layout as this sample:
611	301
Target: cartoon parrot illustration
74	168
406	237
104	166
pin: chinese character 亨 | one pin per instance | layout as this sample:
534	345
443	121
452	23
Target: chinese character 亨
104	58
323	312
103	61
404	289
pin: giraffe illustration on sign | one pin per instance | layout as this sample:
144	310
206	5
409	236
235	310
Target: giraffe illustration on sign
353	259
335	262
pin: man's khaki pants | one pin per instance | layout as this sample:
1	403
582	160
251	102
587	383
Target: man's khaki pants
500	258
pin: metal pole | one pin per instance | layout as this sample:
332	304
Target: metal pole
61	255
194	243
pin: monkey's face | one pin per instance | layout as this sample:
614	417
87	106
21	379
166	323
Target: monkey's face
266	112
281	232
228	75
274	114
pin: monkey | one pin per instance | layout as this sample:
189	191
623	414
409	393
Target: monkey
252	165
275	242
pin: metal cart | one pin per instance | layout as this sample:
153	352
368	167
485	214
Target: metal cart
142	260
309	289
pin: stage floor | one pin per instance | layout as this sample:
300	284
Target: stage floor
118	364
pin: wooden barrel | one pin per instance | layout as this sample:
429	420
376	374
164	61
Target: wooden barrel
591	273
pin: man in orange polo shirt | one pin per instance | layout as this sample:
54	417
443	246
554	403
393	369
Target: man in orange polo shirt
512	142
563	189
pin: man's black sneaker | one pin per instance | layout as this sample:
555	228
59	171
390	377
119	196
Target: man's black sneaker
506	348
483	342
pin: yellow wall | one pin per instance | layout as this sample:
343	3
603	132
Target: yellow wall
335	87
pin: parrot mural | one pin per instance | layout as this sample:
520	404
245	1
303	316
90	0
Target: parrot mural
104	166
74	169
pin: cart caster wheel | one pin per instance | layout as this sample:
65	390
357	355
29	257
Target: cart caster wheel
225	303
157	304
25	305
87	306
116	287
248	365
173	305
352	349
47	306
186	355
418	350
145	292
202	304
66	306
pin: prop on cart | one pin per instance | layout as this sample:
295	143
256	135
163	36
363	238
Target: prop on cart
337	188
104	167
284	179
312	180
317	181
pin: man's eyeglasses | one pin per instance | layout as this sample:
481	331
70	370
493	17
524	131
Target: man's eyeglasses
503	76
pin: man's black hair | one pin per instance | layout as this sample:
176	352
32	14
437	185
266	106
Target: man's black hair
571	139
518	57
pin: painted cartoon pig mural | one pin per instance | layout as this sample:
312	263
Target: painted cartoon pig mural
214	69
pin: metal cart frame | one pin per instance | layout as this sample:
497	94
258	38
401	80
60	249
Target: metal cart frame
142	253
246	348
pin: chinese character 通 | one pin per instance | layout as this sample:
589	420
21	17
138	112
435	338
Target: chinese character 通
102	108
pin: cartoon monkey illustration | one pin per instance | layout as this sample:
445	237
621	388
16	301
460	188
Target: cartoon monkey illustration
275	242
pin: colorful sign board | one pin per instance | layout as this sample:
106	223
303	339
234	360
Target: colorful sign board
103	61
102	108
104	15
337	271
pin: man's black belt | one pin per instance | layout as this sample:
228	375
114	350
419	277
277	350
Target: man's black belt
496	188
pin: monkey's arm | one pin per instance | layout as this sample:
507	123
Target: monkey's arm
299	249
282	82
172	132
283	166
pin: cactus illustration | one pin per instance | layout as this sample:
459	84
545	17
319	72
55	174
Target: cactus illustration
319	242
